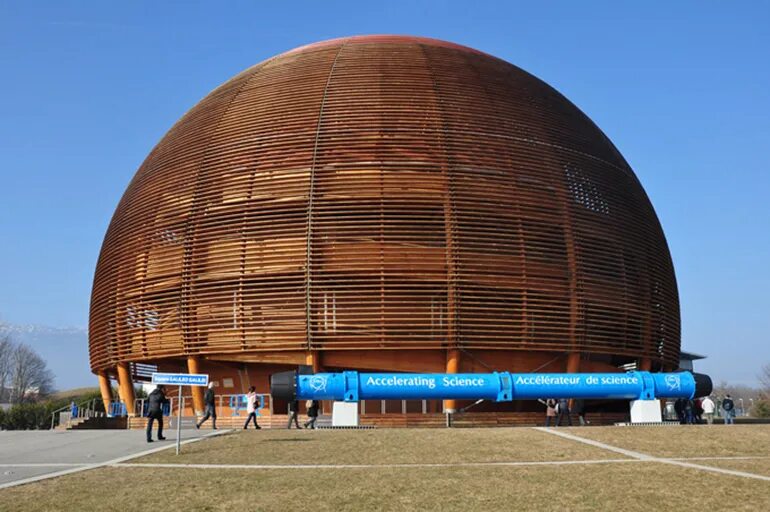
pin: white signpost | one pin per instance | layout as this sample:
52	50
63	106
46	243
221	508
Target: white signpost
180	379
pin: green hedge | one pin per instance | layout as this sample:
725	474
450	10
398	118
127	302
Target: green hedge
37	415
32	416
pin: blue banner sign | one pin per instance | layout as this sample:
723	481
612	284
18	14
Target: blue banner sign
180	379
353	386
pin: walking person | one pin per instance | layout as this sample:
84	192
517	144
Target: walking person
155	403
728	406
211	411
293	411
679	409
688	412
697	411
252	404
312	413
579	408
562	409
708	409
550	410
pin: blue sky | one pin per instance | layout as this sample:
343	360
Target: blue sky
683	89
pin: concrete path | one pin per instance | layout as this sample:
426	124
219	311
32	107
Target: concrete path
36	453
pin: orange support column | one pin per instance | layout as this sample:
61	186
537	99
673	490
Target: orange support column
105	388
317	366
573	362
126	387
193	366
313	358
452	366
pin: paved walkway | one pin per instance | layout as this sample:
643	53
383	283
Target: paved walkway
36	454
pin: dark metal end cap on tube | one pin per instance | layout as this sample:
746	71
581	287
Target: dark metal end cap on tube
283	386
703	385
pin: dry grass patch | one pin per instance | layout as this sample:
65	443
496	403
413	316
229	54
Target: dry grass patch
756	466
685	441
628	486
381	446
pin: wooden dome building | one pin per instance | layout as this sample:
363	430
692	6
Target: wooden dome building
382	203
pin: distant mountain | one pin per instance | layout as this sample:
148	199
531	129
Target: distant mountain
65	350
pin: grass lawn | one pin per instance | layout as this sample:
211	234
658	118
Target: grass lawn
756	466
627	484
685	441
382	446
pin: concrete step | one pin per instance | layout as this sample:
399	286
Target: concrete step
70	424
97	423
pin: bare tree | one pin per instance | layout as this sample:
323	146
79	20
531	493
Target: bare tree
743	396
764	378
30	376
6	354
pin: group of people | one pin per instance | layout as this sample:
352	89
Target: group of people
555	410
157	399
693	412
313	407
688	412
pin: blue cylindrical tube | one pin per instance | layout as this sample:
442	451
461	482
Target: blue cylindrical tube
470	386
503	386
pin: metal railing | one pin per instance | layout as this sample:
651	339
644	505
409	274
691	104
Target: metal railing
227	405
232	404
83	410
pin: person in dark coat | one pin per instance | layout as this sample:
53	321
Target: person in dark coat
211	411
293	411
563	410
728	406
697	411
689	417
155	403
312	414
679	409
579	408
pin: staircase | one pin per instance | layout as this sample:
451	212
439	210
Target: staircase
93	423
86	415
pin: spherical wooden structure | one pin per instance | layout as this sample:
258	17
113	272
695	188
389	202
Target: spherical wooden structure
380	200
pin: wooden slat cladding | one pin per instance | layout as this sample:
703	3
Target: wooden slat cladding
384	192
